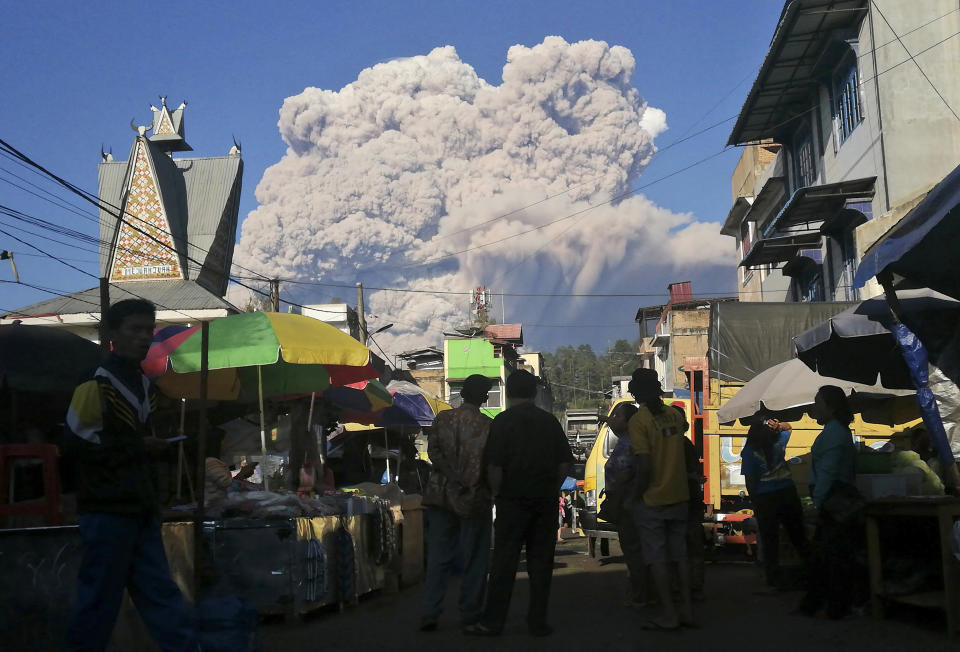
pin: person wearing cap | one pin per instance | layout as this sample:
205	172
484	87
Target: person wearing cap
458	506
662	497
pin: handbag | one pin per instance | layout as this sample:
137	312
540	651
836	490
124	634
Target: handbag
844	502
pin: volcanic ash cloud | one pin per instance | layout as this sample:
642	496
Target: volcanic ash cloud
391	171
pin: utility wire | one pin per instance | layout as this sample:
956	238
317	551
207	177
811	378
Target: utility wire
89	197
917	63
622	195
102	204
47	290
574	187
94	276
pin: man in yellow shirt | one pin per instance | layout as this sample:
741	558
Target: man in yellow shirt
660	507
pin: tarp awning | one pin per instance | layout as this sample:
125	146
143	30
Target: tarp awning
778	250
784	87
747	337
923	245
817	203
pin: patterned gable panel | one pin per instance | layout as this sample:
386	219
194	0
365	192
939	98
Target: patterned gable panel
144	247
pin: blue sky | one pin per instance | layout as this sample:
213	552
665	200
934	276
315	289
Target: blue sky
74	74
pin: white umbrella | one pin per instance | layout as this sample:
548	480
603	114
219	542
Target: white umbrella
791	385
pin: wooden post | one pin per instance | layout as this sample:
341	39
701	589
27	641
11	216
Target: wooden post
104	307
275	295
361	317
198	561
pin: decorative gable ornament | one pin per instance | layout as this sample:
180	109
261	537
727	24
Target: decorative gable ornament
144	247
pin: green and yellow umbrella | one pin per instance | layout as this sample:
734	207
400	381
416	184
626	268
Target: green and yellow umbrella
257	354
273	354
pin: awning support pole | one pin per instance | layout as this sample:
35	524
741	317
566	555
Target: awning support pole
263	429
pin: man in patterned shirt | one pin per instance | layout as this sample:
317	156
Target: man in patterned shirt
458	500
108	437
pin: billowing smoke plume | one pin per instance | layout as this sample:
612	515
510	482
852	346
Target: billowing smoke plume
386	177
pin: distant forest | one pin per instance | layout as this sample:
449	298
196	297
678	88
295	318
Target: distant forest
581	378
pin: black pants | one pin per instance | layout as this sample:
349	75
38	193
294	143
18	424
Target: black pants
781	507
833	574
521	522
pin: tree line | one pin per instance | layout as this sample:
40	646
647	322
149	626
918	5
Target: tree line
581	378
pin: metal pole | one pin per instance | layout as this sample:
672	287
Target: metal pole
104	307
263	429
201	459
313	399
361	317
386	446
183	417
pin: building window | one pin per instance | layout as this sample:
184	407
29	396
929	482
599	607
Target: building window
805	172
494	398
808	285
847	112
841	259
747	233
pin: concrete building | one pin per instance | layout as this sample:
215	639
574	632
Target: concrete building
491	352
167	231
679	337
425	367
338	315
844	134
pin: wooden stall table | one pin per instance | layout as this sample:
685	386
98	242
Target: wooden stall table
945	510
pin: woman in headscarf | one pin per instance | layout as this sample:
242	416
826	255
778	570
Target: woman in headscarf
773	493
832	487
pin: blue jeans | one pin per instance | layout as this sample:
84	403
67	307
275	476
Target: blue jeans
451	539
126	552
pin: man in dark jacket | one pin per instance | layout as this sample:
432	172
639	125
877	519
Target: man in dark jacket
528	458
108	436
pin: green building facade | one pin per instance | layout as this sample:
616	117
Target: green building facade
464	357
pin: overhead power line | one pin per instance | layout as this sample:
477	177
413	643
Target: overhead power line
917	63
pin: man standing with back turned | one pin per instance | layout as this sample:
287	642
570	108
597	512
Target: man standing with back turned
108	435
458	506
528	458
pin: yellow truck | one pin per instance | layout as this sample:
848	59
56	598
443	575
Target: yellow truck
594	483
744	339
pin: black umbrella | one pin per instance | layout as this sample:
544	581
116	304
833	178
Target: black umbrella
857	344
44	358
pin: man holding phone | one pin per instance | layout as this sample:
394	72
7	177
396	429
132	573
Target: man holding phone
109	436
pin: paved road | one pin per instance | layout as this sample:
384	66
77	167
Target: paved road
587	615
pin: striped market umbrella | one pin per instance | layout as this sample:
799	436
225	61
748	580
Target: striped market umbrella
257	354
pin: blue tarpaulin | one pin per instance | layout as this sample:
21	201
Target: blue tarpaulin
569	484
915	355
922	247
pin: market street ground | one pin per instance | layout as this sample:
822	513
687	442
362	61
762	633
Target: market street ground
587	614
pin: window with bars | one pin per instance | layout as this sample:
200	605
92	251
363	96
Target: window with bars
493	398
805	164
847	111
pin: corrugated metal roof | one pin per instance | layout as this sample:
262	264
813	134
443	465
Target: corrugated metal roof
167	295
111	177
213	192
785	87
201	196
505	332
